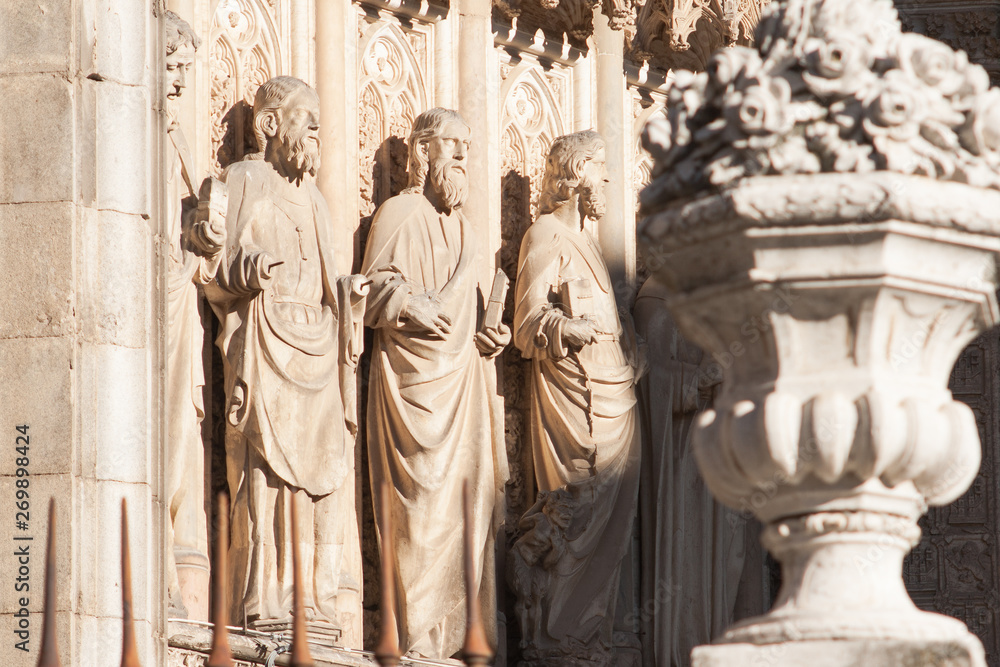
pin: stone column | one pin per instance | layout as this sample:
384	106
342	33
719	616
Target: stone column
826	221
81	311
337	86
478	90
614	121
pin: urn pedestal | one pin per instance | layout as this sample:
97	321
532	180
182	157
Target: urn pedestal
836	306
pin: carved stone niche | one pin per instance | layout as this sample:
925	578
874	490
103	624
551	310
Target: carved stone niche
825	210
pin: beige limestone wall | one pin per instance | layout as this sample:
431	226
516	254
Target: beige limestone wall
79	318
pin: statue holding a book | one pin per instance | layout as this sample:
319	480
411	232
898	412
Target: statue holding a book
584	432
430	426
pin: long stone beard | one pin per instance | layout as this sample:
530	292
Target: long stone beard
302	153
593	203
449	181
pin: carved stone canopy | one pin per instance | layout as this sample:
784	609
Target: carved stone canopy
572	19
683	34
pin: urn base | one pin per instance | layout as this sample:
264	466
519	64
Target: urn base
964	652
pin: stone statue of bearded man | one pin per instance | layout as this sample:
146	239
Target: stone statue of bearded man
429	421
584	434
290	340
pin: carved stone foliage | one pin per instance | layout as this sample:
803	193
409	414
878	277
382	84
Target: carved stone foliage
971	27
245	52
532	118
393	91
832	87
569	20
683	34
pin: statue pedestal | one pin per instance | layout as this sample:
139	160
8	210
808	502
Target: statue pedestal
956	653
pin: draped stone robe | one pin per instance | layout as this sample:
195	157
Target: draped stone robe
585	447
289	407
187	270
694	550
429	422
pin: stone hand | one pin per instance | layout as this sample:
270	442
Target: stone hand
491	342
425	311
208	233
578	332
260	270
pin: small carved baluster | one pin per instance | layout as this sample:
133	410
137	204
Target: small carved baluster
476	650
49	655
221	656
130	657
387	652
300	649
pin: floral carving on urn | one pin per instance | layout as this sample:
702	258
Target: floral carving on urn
826	212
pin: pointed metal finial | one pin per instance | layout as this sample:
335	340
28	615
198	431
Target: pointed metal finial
387	652
476	650
221	656
300	648
130	657
49	655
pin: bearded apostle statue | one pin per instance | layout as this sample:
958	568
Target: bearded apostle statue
429	420
196	236
290	340
584	433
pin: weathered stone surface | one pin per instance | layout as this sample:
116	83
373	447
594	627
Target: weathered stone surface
36	390
36	145
38	295
842	654
37	37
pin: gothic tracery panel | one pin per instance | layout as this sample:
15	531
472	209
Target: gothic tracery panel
393	64
245	52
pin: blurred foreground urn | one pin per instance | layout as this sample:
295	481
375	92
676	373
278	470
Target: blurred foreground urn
825	211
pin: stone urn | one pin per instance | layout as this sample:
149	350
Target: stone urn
825	211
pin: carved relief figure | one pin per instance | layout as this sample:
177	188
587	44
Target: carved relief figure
689	588
196	237
290	341
584	434
429	421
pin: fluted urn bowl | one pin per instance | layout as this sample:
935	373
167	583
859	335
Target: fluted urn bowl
836	306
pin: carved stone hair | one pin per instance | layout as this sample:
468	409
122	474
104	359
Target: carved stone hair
425	127
269	98
179	33
564	167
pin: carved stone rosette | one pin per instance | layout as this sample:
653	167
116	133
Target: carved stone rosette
836	294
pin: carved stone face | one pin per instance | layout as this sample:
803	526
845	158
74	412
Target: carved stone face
298	130
178	64
595	175
446	153
452	142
